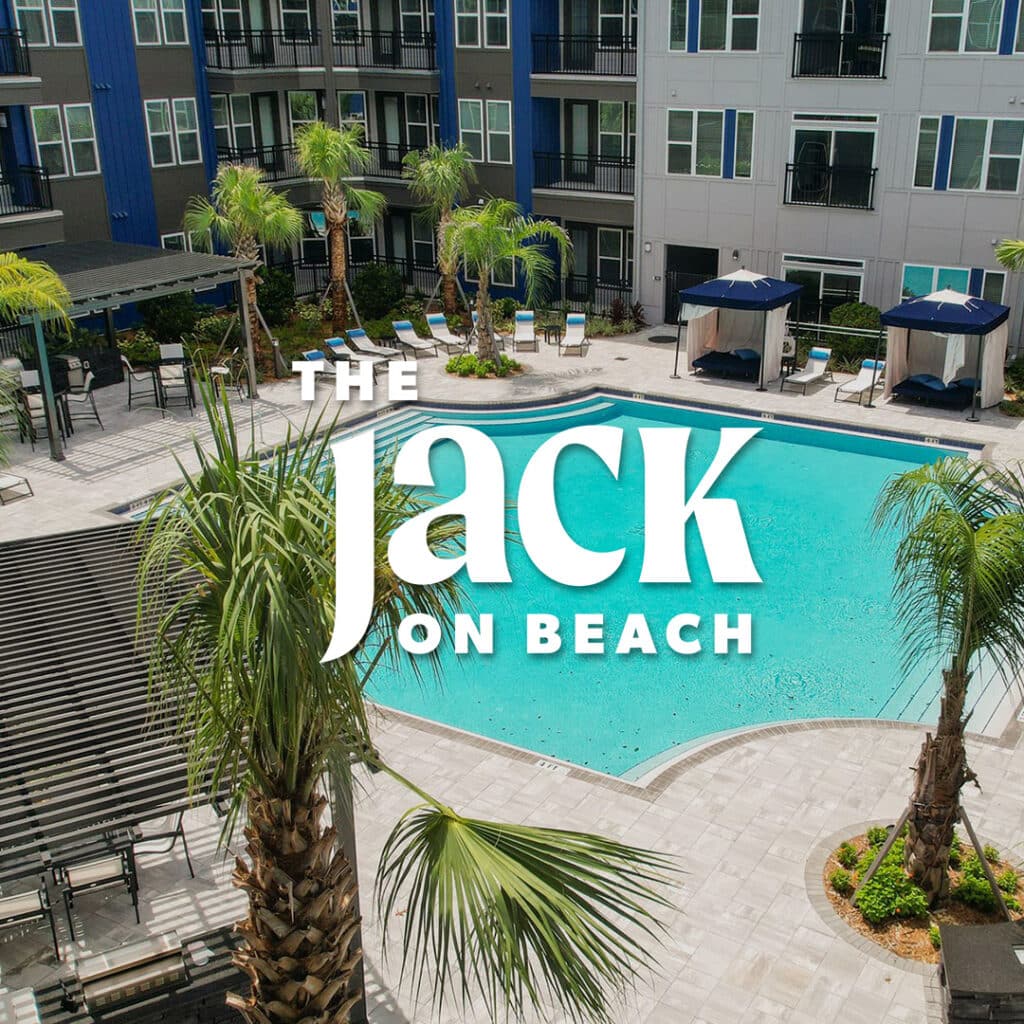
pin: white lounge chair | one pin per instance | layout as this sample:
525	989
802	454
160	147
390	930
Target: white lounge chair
406	335
525	335
337	349
575	337
869	375
816	370
440	332
10	486
359	340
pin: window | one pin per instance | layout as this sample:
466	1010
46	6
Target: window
417	18
221	121
986	154
471	128
241	122
417	121
345	14
499	131
496	23
64	23
175	29
611	255
921	280
352	109
303	109
57	137
467	22
827	283
296	19
744	144
223	17
174	241
616	22
49	135
186	131
695	142
965	26
147	23
31	17
927	150
158	126
81	138
422	242
677	25
362	245
729	24
503	274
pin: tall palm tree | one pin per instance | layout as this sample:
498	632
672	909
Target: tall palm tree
497	234
332	155
237	588
243	213
959	590
439	178
27	286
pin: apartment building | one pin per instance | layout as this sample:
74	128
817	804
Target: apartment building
866	149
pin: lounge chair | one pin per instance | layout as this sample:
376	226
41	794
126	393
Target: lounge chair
359	340
338	350
22	908
815	371
499	339
575	337
10	483
928	389
440	332
406	335
869	375
525	336
84	399
739	364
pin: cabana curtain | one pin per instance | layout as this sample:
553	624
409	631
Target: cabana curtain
896	358
701	332
993	358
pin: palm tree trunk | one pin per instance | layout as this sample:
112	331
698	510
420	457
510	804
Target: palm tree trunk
941	772
301	951
448	290
254	326
339	301
485	347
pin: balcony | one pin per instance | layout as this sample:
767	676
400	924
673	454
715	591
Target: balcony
259	49
814	184
392	50
386	159
567	173
25	190
14	58
313	278
583	291
584	55
839	55
278	163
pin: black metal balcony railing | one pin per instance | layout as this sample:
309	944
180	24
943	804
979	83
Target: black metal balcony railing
14	58
278	163
313	278
24	190
839	55
262	48
852	188
569	173
385	50
585	291
584	55
386	159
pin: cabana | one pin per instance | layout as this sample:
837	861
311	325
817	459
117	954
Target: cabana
946	349
723	338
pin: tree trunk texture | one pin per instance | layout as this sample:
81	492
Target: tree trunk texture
339	267
259	355
940	774
301	950
449	292
485	347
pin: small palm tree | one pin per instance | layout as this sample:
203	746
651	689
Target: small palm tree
332	155
497	234
1010	253
439	178
959	590
31	287
237	587
243	213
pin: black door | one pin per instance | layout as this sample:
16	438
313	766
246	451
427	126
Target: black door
685	266
391	128
580	149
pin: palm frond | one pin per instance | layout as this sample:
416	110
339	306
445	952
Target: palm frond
439	177
331	154
370	205
28	287
1010	253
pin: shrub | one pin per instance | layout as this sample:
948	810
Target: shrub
505	308
171	318
376	289
467	365
309	315
275	295
1015	374
1007	881
991	854
847	855
636	314
849	349
617	312
1015	409
955	853
877	835
890	893
140	348
935	937
210	330
975	892
841	882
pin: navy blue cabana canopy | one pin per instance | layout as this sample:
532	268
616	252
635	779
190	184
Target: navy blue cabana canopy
947	312
742	289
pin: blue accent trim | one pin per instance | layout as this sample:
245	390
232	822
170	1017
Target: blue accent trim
977	279
1008	36
120	126
21	132
521	25
729	144
204	105
447	108
6	15
945	153
693	26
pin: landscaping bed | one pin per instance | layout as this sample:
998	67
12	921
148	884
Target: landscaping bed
468	365
893	912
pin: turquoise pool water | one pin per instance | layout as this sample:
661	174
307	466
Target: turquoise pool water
823	643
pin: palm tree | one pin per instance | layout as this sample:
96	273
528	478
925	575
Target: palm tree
497	234
959	590
333	155
31	287
439	178
1010	253
243	213
237	588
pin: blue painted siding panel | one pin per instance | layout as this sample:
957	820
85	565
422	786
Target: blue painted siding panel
1008	36
545	17
729	144
547	132
693	26
21	130
204	106
120	127
522	107
444	26
976	281
945	153
6	15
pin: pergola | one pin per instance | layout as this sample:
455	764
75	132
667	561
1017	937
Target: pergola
102	275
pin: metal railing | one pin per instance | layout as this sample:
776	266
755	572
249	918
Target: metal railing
24	190
14	59
262	48
278	163
313	278
585	292
569	173
584	55
839	54
373	49
386	159
812	184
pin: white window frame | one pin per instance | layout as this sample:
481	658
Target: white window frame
188	101
336	11
422	124
33	5
71	142
235	123
146	104
730	19
696	112
468	17
964	16
428	235
65	5
679	47
185	242
825	265
482	130
183	11
491	134
866	124
624	259
986	157
486	17
67	150
347	121
52	142
292	123
917	150
936	269
308	30
154	10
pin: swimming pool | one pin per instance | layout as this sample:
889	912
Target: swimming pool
823	644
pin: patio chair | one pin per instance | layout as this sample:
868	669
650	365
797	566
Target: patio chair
406	335
84	399
338	350
499	338
525	336
26	907
140	377
575	337
441	333
8	483
814	372
869	375
172	827
33	418
359	341
174	384
228	372
103	873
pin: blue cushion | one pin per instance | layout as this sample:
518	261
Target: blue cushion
436	318
745	353
818	353
357	333
523	316
873	364
334	342
313	356
402	325
576	318
967	382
